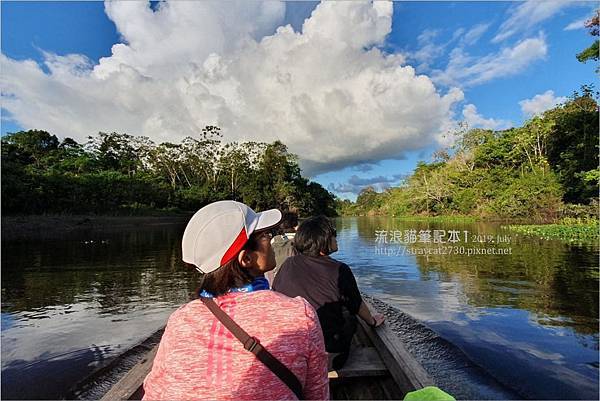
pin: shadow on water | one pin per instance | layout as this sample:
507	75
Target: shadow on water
48	384
97	384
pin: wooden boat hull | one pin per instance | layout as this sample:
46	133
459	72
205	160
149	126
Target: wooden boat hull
379	368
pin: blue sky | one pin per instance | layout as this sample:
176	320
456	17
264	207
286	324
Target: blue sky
504	55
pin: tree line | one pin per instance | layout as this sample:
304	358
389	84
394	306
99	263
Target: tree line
545	169
121	173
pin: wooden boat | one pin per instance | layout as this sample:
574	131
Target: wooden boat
379	368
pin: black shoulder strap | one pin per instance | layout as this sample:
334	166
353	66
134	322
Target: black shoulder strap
253	345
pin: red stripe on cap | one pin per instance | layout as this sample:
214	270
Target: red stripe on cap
234	248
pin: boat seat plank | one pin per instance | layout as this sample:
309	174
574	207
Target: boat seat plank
363	361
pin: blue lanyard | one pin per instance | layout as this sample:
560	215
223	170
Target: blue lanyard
259	283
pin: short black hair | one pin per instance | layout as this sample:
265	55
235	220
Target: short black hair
231	275
289	221
315	235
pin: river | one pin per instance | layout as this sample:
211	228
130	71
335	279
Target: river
523	309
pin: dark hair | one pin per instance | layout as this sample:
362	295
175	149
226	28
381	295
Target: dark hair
289	221
315	235
230	275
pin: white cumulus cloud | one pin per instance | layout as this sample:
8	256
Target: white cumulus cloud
327	92
476	120
540	103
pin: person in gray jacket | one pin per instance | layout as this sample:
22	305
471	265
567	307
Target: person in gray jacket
283	242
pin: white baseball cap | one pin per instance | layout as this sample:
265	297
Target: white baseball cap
217	232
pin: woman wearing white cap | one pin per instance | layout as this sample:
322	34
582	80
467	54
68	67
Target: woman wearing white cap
239	340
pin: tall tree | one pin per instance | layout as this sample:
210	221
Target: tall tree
573	145
36	145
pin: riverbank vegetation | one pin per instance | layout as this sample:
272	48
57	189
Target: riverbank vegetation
545	170
116	173
574	230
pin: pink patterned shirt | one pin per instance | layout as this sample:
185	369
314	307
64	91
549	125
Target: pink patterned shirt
199	359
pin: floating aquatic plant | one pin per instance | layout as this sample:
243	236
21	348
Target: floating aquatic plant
570	230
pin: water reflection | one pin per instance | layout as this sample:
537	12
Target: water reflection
132	266
556	281
71	306
529	317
